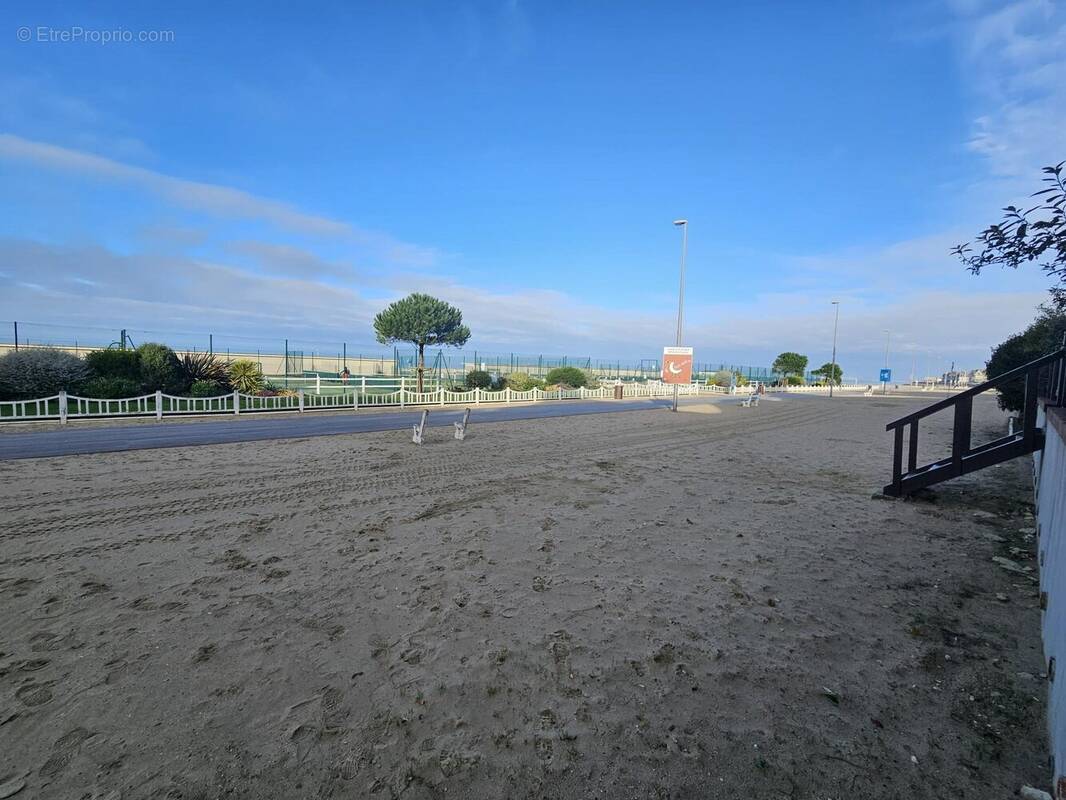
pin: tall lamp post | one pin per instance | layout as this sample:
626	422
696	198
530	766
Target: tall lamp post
833	368
683	224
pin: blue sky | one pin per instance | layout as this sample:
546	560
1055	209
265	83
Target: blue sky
266	174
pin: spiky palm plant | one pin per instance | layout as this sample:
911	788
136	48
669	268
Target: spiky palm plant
196	367
245	376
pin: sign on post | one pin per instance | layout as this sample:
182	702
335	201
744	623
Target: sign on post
677	365
886	376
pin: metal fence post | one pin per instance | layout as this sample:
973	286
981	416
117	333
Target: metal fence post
318	383
62	407
158	405
300	395
355	399
236	402
403	388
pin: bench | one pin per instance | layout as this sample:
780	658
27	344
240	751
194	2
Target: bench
416	430
460	427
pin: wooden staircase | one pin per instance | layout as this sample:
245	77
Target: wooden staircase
1045	381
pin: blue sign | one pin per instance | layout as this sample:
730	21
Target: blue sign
886	375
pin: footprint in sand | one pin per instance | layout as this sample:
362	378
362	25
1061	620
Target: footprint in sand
543	742
204	653
93	587
34	694
46	641
63	752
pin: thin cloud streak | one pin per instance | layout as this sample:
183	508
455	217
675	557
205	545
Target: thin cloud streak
206	197
212	199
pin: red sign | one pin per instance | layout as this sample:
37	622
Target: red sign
677	365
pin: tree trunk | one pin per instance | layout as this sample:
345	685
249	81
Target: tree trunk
421	364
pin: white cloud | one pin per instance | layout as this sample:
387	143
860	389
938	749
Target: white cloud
1015	58
205	197
213	199
193	295
287	260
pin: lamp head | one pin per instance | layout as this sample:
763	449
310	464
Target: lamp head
681	222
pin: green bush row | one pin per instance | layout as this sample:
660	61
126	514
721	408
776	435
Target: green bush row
560	377
108	374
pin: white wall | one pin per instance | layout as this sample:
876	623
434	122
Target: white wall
1051	521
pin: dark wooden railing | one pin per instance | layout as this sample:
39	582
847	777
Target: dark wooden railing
1045	379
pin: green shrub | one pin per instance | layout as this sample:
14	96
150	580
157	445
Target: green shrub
566	376
722	378
40	372
206	389
160	369
197	367
794	380
1039	339
111	388
591	381
478	379
245	376
115	364
520	382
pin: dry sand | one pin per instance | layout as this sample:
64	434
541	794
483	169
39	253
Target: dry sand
621	605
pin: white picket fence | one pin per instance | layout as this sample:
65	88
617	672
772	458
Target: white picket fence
63	406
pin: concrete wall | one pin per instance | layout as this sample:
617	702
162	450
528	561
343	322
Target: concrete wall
274	363
1051	526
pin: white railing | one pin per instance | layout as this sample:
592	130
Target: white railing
815	389
63	406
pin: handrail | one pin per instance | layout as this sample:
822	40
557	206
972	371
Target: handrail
965	457
992	383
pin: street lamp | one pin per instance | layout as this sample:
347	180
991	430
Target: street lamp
683	224
833	368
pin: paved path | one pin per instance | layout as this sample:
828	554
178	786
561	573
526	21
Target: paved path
145	436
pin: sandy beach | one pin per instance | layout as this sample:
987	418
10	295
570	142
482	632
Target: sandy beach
642	604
